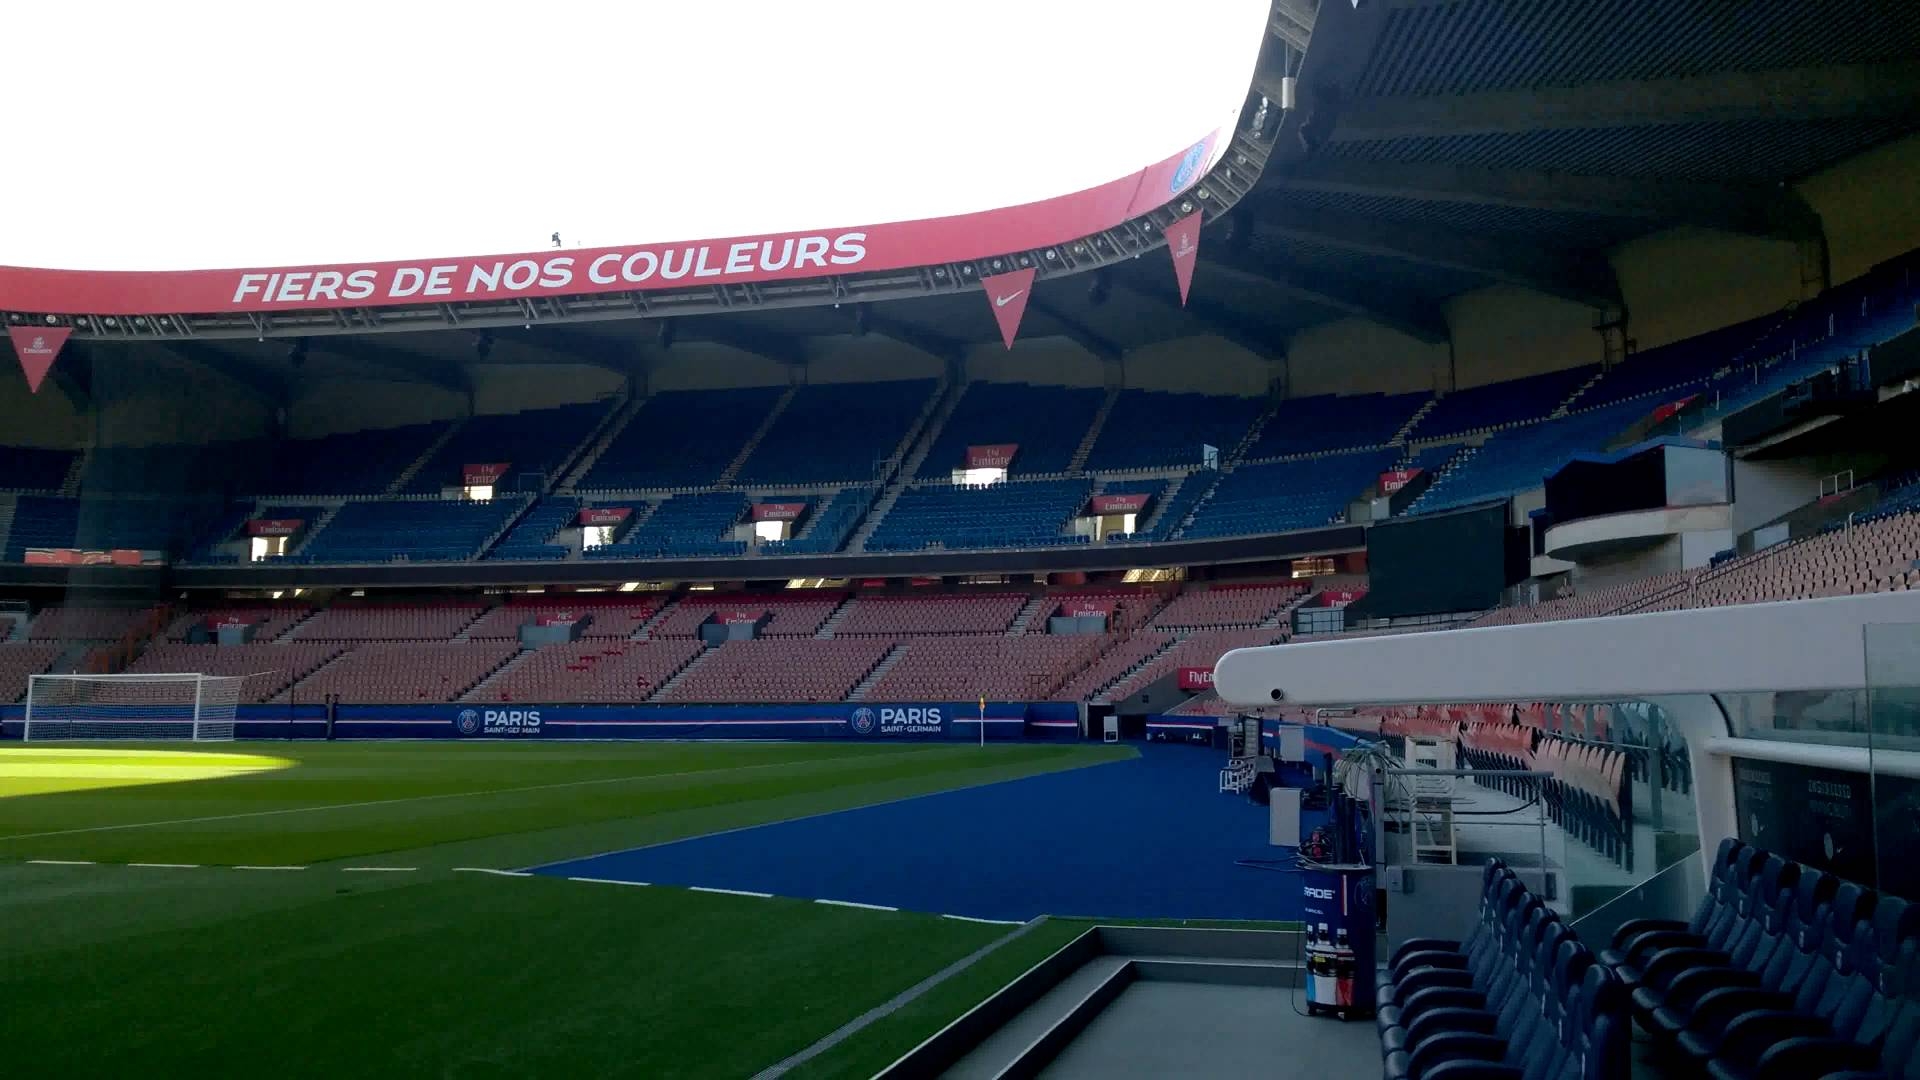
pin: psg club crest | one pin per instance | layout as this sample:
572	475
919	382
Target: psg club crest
863	720
1189	168
468	721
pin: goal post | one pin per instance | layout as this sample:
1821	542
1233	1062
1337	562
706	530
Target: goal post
112	707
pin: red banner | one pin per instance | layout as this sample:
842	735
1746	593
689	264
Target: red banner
52	557
1340	597
274	526
1119	504
778	511
484	475
1196	678
1009	293
996	456
127	556
604	515
216	622
556	618
739	615
1394	479
37	349
1671	409
1077	608
776	257
1183	243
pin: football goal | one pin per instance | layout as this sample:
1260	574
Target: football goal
107	707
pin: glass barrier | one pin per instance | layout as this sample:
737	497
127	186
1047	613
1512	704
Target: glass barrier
1893	765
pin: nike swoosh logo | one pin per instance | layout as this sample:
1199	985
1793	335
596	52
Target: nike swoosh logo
1003	301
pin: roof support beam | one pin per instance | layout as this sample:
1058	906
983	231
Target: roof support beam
1077	332
1211	318
1751	209
1841	92
560	345
1418	320
1583	278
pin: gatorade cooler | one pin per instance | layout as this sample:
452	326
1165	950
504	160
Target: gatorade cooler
1340	928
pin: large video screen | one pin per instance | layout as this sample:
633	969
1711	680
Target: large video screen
1439	563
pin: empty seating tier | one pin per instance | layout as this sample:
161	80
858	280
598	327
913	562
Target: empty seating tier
1502	404
604	619
1318	425
33	468
795	614
269	669
681	439
1202	648
834	433
1228	605
683	527
898	615
1010	515
87	623
828	529
388	622
994	666
590	672
268	621
413	529
779	669
1121	658
1149	429
1046	424
400	674
18	661
353	463
1255	499
537	441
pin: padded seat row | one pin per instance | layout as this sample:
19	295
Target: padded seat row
1782	972
1520	998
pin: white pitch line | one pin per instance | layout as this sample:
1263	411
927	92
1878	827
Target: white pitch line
409	799
61	862
269	868
608	881
167	865
990	922
377	869
731	892
852	903
490	870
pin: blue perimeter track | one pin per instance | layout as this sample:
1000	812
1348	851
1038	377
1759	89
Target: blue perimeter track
1146	838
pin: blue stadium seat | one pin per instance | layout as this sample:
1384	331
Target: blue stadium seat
529	539
33	468
1519	460
1046	422
1329	423
1011	515
353	463
1152	429
1287	495
835	432
683	527
1501	404
534	441
681	439
830	527
419	530
47	521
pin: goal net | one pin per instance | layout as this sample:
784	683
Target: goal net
106	707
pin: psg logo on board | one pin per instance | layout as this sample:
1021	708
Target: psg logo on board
468	721
863	720
1189	167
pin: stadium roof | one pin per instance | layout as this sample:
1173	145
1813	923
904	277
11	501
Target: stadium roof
1435	147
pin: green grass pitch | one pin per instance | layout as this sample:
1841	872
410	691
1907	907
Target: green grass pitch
188	965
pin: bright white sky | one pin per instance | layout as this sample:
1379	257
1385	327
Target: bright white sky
225	133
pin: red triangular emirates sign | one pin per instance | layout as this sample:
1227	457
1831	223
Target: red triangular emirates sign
37	349
1009	293
1183	243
